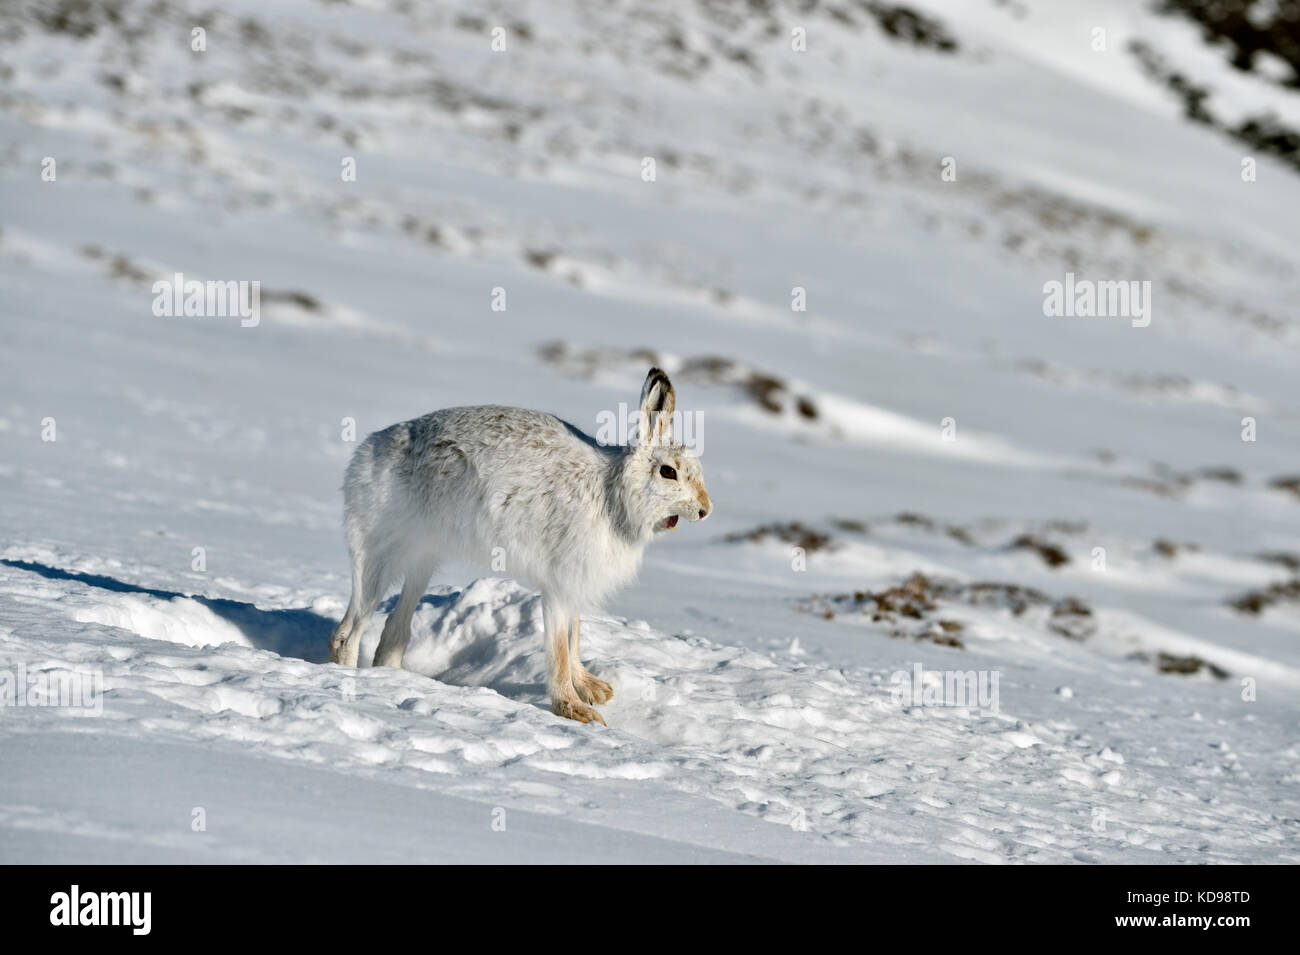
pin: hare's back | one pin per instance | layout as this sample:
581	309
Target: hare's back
489	435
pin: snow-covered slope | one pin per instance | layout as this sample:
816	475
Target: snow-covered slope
1098	537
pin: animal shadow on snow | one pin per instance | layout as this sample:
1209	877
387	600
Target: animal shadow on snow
304	634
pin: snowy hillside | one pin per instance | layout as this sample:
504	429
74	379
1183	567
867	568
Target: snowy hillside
922	480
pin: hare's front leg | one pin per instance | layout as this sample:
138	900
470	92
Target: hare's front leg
591	689
559	673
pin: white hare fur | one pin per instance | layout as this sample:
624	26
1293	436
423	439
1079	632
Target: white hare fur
569	515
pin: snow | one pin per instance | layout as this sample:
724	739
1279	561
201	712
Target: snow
747	724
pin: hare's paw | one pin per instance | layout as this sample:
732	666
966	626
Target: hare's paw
344	651
592	689
573	710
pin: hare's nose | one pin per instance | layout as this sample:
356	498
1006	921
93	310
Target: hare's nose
703	514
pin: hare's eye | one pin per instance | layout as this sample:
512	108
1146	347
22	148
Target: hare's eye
667	472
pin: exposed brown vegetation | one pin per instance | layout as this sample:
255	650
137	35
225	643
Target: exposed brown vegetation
793	533
1257	601
1289	483
767	390
1052	554
918	597
1169	663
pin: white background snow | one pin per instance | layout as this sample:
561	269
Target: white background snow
747	723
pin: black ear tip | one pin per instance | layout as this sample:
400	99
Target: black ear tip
657	391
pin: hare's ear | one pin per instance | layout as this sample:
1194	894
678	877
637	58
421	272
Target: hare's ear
658	401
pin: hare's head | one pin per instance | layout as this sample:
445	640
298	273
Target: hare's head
665	476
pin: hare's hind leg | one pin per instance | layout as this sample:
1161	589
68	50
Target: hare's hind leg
559	674
375	562
367	587
590	689
340	644
397	628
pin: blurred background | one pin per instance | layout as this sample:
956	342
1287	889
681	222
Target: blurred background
833	222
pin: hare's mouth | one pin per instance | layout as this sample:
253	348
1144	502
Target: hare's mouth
669	523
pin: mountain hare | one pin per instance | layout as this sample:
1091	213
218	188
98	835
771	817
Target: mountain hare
568	514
